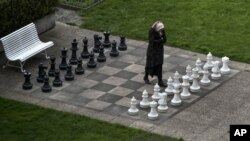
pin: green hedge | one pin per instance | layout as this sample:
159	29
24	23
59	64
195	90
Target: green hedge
18	13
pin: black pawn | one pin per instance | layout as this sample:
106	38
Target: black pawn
69	76
114	52
91	63
52	66
79	69
85	52
57	81
101	57
106	42
46	87
73	60
97	43
27	84
122	46
41	73
64	56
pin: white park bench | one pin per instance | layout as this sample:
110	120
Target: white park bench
22	44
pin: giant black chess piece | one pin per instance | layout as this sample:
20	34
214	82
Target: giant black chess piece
27	84
69	76
46	87
52	66
57	81
64	56
122	46
97	43
91	63
106	42
73	60
85	52
79	69
41	73
101	57
114	52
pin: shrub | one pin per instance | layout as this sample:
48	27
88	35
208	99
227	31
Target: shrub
18	13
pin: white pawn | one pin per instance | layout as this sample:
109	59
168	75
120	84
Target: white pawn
163	103
133	109
185	94
198	65
157	89
216	71
209	62
205	80
189	73
144	103
170	88
195	86
153	115
176	101
225	69
176	78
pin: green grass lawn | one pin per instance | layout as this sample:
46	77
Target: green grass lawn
219	26
25	122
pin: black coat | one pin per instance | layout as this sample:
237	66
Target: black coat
155	51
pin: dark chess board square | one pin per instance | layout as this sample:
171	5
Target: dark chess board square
132	85
136	94
125	74
111	98
103	87
119	64
97	76
139	52
79	100
116	109
180	69
75	89
175	60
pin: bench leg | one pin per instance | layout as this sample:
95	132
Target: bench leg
7	62
21	65
10	65
46	55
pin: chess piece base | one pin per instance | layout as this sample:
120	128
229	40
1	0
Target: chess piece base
57	83
195	89
122	48
46	89
133	112
51	73
142	105
114	54
162	109
73	62
79	71
175	103
215	76
185	96
85	55
225	72
101	59
27	86
106	45
205	83
40	80
153	117
69	78
91	65
63	67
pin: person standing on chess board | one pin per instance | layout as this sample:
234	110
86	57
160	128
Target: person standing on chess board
155	53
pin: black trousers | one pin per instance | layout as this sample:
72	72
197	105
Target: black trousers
156	70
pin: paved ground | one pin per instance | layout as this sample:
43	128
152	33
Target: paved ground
104	92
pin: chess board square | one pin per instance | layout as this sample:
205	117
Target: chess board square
64	85
142	62
167	67
139	52
103	87
188	62
114	81
38	93
212	85
75	89
124	102
119	64
108	70
79	100
149	88
166	75
130	58
191	99
98	105
62	96
175	60
97	76
92	94
116	109
121	91
136	94
86	83
135	68
111	98
132	85
180	69
125	74
138	78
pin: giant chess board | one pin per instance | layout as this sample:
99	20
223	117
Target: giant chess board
110	86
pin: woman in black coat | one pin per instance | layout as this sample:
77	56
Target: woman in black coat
155	52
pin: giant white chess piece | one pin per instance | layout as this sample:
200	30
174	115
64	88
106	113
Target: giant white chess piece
176	78
195	86
170	87
145	102
209	62
205	80
157	89
176	100
133	109
185	94
225	69
153	115
189	73
163	103
198	65
216	71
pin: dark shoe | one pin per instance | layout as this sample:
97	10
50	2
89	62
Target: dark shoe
146	81
162	84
